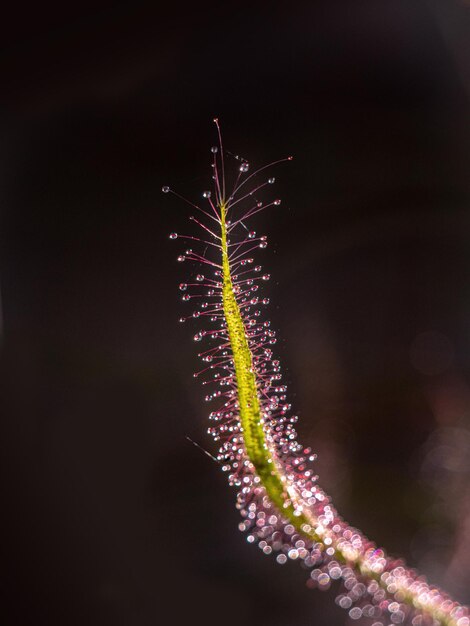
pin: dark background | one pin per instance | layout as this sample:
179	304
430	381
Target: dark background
110	516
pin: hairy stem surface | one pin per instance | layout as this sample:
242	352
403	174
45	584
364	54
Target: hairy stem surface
254	436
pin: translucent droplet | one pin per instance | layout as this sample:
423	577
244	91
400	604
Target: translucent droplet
185	298
355	613
344	602
214	149
200	278
259	204
251	234
197	337
181	258
263	244
165	189
206	194
244	167
277	202
271	180
183	286
266	276
173	235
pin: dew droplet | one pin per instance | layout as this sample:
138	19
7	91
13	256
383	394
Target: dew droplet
344	602
186	297
277	202
173	235
214	149
251	234
271	180
206	194
355	613
244	167
181	258
183	286
263	244
165	189
200	278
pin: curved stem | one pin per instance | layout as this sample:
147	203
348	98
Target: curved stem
281	493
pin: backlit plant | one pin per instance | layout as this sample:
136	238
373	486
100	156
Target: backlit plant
282	507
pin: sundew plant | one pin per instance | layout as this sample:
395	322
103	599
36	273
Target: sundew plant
283	509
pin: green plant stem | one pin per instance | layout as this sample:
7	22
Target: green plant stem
254	437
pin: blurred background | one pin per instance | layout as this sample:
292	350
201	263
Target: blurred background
110	516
